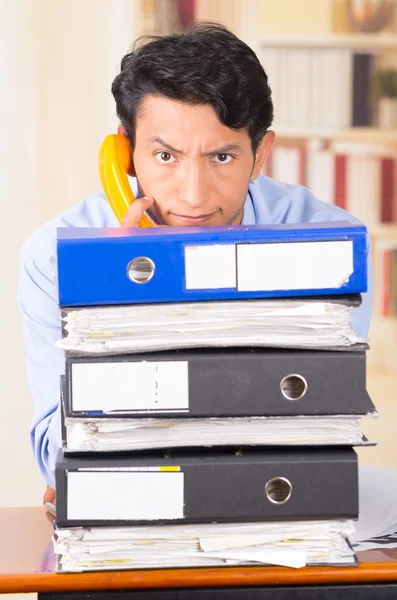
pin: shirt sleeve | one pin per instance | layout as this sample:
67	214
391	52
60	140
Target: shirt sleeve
361	316
38	302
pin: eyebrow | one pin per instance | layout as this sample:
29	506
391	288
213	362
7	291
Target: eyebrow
222	150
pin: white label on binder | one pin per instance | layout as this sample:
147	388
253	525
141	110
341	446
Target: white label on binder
210	267
293	265
130	386
124	495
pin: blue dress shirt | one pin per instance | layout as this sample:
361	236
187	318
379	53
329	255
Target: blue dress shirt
267	202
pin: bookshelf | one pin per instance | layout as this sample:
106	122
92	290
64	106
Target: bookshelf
371	42
384	231
320	72
354	134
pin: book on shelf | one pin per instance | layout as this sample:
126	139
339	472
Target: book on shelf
360	178
320	88
385	262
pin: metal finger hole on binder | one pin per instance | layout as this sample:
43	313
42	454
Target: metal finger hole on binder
293	386
278	490
141	269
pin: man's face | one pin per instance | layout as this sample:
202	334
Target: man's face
196	169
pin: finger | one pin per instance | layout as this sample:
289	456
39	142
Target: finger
135	212
51	508
49	495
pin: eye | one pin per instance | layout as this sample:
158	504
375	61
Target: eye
164	158
223	159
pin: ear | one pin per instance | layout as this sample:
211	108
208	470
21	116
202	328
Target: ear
131	170
262	151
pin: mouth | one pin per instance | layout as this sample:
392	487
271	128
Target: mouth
189	220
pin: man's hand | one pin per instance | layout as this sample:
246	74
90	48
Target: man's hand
135	212
49	500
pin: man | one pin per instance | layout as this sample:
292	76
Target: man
196	108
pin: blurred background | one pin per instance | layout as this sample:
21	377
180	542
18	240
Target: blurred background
332	66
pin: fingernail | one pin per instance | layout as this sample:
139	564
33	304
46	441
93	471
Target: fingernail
51	508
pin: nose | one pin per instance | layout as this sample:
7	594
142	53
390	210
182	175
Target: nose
193	189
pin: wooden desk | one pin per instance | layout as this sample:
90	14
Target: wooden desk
27	565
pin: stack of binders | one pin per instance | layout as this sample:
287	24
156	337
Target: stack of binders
212	396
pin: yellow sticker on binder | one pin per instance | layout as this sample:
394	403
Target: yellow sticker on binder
170	469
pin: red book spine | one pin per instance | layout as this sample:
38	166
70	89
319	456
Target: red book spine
186	12
387	190
386	298
341	181
394	199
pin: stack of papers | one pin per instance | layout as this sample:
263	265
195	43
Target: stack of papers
378	504
115	434
292	544
384	542
288	323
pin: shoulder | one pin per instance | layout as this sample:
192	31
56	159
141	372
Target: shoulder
277	202
39	251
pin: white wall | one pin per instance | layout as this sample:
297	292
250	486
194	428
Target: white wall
81	48
20	212
57	61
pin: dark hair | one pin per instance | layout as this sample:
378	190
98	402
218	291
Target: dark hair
205	64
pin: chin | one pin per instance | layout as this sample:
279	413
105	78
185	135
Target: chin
186	221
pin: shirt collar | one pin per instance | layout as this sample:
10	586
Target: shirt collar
249	213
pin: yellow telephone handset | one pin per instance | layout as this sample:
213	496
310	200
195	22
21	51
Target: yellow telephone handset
114	164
